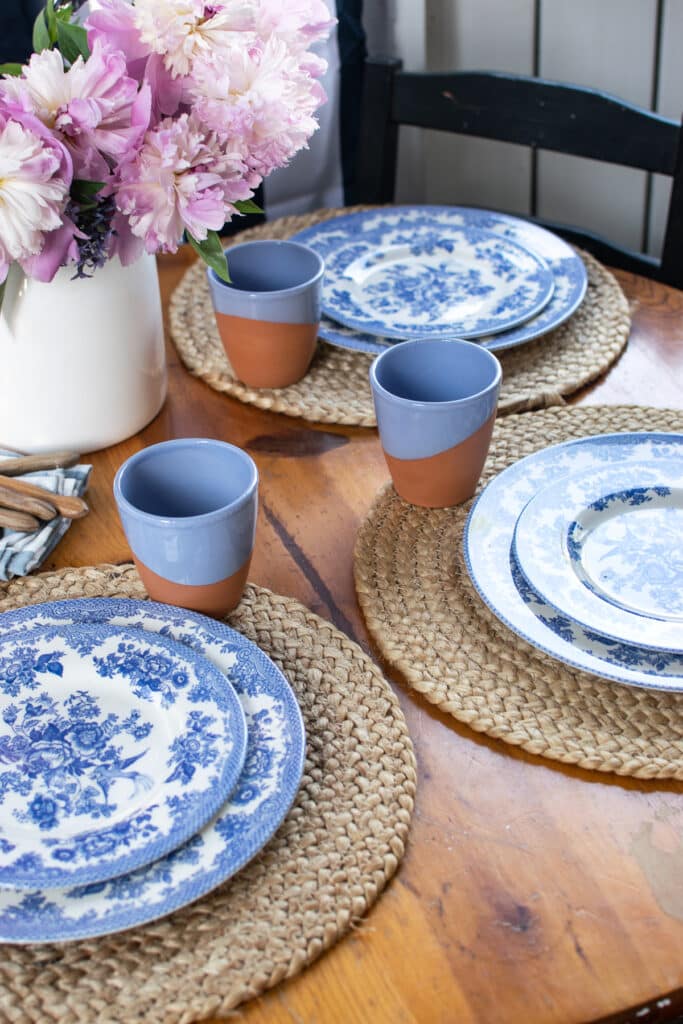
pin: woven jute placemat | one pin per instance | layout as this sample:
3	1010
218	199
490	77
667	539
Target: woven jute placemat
428	622
336	388
340	844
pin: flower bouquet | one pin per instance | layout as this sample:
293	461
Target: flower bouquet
135	123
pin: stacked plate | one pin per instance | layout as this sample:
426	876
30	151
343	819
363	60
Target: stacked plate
414	272
578	548
146	754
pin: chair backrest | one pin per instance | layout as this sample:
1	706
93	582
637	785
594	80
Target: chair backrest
528	111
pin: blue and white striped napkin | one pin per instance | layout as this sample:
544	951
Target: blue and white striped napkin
21	553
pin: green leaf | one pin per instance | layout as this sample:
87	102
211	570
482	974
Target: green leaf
2	292
51	19
64	12
247	206
41	36
81	189
72	41
85	192
211	251
11	69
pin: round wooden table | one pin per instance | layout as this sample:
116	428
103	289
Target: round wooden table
531	892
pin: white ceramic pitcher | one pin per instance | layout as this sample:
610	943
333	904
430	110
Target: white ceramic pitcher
82	362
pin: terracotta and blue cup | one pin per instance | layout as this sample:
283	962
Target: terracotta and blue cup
268	316
188	509
436	406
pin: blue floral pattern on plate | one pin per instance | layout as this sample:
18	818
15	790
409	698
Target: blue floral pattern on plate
265	791
603	548
504	589
568	270
470	283
114	748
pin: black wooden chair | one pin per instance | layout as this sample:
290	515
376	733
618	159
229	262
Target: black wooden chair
532	112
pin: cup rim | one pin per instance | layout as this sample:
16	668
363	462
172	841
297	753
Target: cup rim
449	403
183	522
273	293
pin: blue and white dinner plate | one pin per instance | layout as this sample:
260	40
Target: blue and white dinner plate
606	549
501	585
568	270
466	282
115	747
264	793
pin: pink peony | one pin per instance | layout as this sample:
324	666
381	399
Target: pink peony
298	22
113	25
183	177
272	100
182	31
94	108
35	177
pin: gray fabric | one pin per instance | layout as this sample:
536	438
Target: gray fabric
21	553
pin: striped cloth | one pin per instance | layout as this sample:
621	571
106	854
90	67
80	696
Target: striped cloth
21	553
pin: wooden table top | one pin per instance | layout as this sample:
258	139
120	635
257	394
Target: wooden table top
530	892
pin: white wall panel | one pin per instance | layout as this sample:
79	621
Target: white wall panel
670	103
479	35
608	45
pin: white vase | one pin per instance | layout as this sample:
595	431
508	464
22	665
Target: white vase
82	362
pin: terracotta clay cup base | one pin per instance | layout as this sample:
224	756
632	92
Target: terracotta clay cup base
264	354
445	479
215	599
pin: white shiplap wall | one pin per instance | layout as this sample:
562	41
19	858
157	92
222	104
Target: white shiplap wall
608	44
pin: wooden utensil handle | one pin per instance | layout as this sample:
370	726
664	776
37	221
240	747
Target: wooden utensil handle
67	505
34	463
21	521
25	503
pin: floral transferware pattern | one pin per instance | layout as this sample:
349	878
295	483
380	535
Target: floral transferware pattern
114	748
470	283
568	270
265	791
502	586
607	554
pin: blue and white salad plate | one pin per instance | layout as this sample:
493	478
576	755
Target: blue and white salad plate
468	283
606	549
243	825
115	747
568	270
502	586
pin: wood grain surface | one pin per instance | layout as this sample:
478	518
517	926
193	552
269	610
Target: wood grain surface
531	892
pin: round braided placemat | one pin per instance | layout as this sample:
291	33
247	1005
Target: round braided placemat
336	388
428	622
340	844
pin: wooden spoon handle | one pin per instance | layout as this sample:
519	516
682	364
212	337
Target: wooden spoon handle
34	463
68	505
21	521
23	503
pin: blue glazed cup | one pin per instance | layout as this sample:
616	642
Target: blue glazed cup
436	405
268	316
188	509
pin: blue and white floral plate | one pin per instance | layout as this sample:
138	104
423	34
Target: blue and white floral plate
496	575
115	747
264	793
606	549
569	272
467	282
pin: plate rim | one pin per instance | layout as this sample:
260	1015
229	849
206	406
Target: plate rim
212	797
208	880
596	628
605	673
495	342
